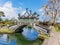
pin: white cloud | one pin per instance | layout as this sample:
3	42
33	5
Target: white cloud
23	12
9	10
41	10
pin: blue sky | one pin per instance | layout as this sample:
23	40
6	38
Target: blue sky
12	7
31	4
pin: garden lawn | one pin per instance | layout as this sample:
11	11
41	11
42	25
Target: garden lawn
44	36
6	30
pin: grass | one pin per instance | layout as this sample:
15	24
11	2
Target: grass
44	36
6	30
57	29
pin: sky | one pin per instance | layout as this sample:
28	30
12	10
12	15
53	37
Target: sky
31	4
12	7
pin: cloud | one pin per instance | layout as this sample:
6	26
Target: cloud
23	12
41	10
9	10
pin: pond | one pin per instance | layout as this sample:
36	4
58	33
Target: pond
27	37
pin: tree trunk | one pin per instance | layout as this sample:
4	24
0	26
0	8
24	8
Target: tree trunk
54	20
54	17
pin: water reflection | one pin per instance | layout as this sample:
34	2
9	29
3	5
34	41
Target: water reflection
19	39
3	39
30	33
12	42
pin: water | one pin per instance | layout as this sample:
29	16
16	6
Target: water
30	33
26	38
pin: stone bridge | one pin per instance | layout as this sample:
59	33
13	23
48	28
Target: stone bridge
40	29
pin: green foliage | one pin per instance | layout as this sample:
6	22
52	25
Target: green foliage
28	27
9	22
1	24
1	19
57	28
44	36
2	14
23	41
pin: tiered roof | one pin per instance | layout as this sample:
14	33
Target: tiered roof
30	15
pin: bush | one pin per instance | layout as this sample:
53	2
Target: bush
57	28
28	27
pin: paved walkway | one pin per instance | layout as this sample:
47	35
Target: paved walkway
54	38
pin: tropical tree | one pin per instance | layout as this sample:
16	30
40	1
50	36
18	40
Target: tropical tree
10	22
52	8
1	19
1	15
